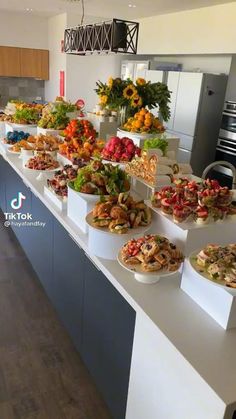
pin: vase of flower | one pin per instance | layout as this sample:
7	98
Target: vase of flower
122	115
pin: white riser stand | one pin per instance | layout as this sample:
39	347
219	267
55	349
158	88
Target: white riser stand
219	303
78	207
30	129
196	236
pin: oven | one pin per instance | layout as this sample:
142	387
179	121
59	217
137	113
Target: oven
226	145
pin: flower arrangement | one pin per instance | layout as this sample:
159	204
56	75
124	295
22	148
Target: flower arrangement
117	93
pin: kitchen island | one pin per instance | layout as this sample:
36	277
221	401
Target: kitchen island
152	351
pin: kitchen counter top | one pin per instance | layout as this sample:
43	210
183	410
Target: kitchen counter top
202	342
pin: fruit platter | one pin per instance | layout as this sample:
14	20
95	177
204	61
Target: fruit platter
120	150
80	141
150	257
14	137
118	214
42	162
197	202
216	263
144	122
100	179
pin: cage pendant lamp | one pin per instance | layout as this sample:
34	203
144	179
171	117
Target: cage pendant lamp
116	35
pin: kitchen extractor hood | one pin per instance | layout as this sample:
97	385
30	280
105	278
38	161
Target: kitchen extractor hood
116	35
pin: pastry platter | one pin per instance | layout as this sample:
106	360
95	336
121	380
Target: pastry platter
140	276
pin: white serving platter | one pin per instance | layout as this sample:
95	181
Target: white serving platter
189	225
205	275
144	277
57	200
105	244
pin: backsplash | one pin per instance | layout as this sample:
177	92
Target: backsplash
26	89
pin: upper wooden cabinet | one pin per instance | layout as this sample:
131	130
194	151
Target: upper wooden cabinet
10	62
24	62
34	63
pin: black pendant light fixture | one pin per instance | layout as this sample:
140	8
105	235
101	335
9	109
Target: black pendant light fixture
112	36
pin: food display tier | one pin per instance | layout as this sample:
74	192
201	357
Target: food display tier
218	301
139	139
31	129
169	316
191	236
191	225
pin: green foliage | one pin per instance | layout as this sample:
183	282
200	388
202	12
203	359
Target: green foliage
160	143
26	116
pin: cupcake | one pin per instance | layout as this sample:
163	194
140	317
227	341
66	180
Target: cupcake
191	192
181	213
181	182
208	197
232	211
211	184
224	197
202	215
156	199
167	206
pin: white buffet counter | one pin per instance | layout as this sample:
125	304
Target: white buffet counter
183	363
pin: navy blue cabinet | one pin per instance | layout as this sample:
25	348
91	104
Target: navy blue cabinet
3	165
108	329
14	186
99	320
69	276
41	252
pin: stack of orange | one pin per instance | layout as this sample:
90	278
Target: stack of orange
144	122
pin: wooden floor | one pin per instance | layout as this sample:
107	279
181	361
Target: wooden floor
41	374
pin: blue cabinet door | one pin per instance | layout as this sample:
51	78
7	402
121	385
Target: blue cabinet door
108	329
69	275
2	184
41	252
14	186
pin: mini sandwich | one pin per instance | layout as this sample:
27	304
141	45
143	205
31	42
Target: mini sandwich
119	226
101	222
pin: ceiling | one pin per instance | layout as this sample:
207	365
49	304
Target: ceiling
106	8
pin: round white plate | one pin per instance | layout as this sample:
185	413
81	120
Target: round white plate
13	152
86	196
144	277
133	231
42	171
115	163
204	274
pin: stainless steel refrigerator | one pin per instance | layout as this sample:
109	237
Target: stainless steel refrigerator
197	101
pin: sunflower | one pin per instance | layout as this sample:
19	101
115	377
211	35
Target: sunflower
136	101
103	100
129	92
110	82
141	82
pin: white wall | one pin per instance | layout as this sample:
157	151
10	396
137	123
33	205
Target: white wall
23	30
208	30
83	72
206	63
57	59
